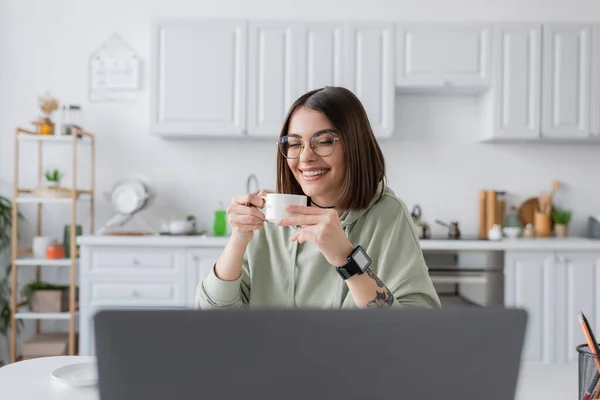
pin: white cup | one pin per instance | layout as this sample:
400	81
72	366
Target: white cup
275	204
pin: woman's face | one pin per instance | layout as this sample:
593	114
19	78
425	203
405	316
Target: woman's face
321	177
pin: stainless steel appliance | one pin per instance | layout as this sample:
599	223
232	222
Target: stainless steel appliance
467	278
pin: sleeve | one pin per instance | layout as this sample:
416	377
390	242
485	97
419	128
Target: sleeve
397	258
213	292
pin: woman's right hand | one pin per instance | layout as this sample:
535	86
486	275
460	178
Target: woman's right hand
244	219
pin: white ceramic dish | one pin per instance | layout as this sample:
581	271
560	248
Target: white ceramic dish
512	232
80	374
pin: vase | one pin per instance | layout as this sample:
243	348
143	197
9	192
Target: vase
560	230
46	127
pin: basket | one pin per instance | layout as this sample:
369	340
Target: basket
589	374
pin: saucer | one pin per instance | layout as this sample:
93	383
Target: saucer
80	374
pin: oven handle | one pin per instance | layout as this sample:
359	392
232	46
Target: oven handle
459	278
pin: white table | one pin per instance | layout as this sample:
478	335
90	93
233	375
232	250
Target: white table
548	382
32	379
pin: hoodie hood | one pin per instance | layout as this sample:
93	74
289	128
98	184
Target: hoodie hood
351	216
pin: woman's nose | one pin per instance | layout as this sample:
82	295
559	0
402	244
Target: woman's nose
307	154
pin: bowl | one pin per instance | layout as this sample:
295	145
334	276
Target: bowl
511	232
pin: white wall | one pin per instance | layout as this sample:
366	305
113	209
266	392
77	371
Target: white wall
45	45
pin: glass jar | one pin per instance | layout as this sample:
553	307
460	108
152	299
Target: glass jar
71	118
511	219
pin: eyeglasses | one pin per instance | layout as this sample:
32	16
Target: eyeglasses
321	143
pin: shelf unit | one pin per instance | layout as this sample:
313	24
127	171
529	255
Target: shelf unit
21	257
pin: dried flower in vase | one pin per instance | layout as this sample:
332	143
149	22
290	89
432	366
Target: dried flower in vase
48	104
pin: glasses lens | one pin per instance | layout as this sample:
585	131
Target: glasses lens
290	146
323	144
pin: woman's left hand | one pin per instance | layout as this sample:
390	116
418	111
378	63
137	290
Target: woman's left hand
323	228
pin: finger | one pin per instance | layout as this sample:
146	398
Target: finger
303	235
306	210
249	199
245	219
300	220
243	210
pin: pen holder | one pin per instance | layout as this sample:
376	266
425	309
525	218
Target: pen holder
589	384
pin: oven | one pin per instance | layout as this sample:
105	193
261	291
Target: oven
467	278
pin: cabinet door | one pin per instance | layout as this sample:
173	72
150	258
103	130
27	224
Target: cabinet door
517	83
443	56
199	264
370	48
272	72
579	274
595	95
320	56
529	284
566	81
199	78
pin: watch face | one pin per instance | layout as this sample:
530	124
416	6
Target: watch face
361	259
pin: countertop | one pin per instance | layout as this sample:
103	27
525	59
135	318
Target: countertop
570	243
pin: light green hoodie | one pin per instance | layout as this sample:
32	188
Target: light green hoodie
278	273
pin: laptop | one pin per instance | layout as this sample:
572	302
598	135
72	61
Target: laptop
300	354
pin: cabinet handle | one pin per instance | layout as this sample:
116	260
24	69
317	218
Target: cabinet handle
135	293
195	258
136	261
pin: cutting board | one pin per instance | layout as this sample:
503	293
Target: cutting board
526	211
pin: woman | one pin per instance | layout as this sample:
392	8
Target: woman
318	258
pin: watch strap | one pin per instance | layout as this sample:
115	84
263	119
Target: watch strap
349	270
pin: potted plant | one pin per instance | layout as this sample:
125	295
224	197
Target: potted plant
5	293
53	177
46	297
561	218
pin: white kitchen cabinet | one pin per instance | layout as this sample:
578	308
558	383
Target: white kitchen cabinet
198	78
566	80
199	264
443	56
124	276
517	78
595	89
286	60
579	274
370	51
320	55
529	284
272	75
553	286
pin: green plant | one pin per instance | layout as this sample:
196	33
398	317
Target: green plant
53	175
190	218
28	290
561	216
6	222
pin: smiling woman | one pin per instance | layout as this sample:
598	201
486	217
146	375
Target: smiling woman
353	246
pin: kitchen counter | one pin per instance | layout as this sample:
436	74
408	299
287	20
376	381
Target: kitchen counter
570	243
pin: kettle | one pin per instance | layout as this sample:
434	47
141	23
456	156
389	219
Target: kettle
453	230
421	229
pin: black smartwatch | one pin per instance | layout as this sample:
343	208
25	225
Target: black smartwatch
358	262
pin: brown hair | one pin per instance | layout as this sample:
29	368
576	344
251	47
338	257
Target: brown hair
365	166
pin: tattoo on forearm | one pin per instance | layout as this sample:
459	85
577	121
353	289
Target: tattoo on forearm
384	298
